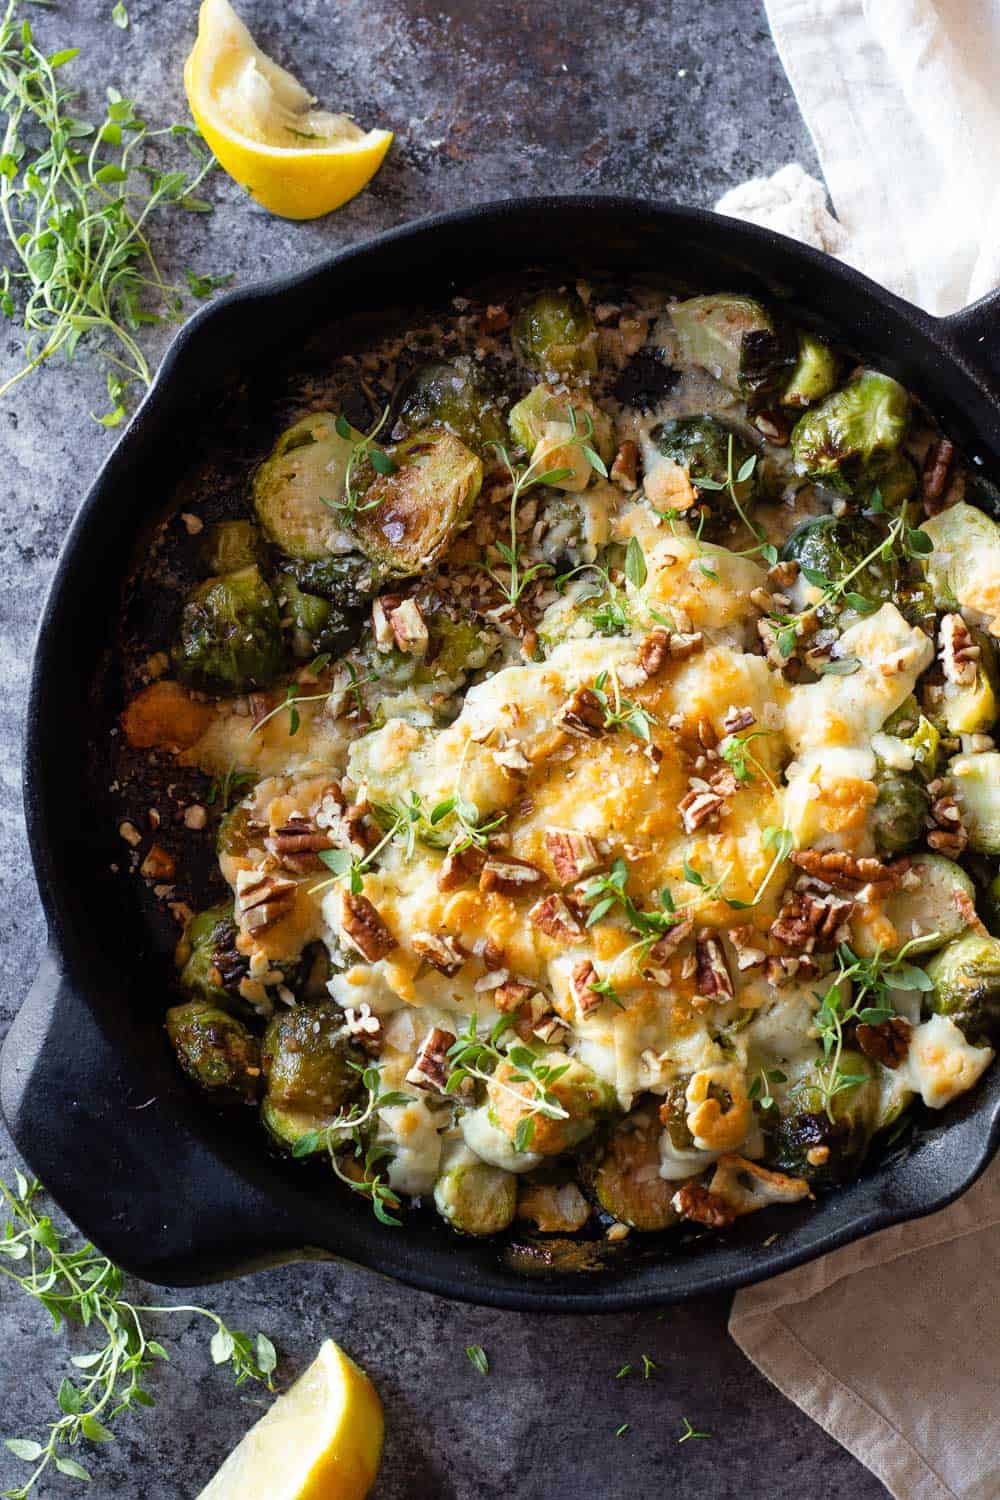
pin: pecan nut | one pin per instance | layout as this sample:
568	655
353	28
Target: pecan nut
694	1201
582	714
849	872
573	855
554	916
712	976
442	951
363	928
430	1066
581	983
509	875
887	1042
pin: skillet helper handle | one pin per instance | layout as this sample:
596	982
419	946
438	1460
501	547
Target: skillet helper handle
149	1193
975	334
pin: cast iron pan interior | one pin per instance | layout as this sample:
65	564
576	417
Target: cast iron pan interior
91	1094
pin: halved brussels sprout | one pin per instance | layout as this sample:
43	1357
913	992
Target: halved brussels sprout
733	337
307	1061
229	546
701	446
628	1182
230	635
966	978
991	906
554	333
814	375
900	812
209	964
931	913
974	709
964	567
453	395
977	787
540	424
315	624
805	1142
215	1049
347	579
895	480
860	426
409	516
584	1097
474	1197
306	468
835	546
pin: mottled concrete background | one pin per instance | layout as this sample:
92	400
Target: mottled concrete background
675	98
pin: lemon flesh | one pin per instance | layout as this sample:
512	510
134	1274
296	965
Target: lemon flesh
263	127
322	1440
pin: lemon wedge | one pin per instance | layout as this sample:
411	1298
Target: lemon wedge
263	128
322	1440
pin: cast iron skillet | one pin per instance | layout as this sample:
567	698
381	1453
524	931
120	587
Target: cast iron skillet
161	1186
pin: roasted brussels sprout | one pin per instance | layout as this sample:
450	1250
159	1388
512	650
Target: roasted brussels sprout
312	1070
229	546
802	1140
347	579
541	424
895	480
230	635
701	446
973	709
314	624
977	786
842	440
736	339
964	565
628	1182
835	547
472	1196
966	979
991	906
209	964
554	334
453	395
298	487
814	375
931	911
215	1049
579	1091
411	515
646	380
900	812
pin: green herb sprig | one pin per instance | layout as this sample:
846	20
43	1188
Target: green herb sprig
768	552
474	1057
357	1126
621	712
80	1285
363	450
75	201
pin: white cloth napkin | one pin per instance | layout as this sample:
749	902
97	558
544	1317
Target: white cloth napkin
893	1344
902	98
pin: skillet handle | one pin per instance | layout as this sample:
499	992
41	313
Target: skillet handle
975	335
151	1196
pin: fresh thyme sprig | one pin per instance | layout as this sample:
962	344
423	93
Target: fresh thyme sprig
357	1126
691	1432
768	552
75	201
621	712
871	979
345	864
292	699
227	789
79	1285
740	758
475	1057
607	893
525	477
363	450
782	841
474	831
760	1086
612	616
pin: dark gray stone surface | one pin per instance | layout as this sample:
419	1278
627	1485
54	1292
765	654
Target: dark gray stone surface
488	97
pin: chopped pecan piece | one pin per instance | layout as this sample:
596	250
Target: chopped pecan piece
723	782
748	955
694	1201
654	652
363	928
782	970
511	995
958	651
297	844
738	718
697	807
949	836
783	574
263	899
684	643
625	469
442	951
582	714
365	1028
711	972
776	426
887	1042
582	981
550	1030
935	475
430	1066
408	628
495	319
553	916
812	921
509	875
667	945
459	867
849	872
158	864
573	855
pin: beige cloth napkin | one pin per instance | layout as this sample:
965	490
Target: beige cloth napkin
893	1344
